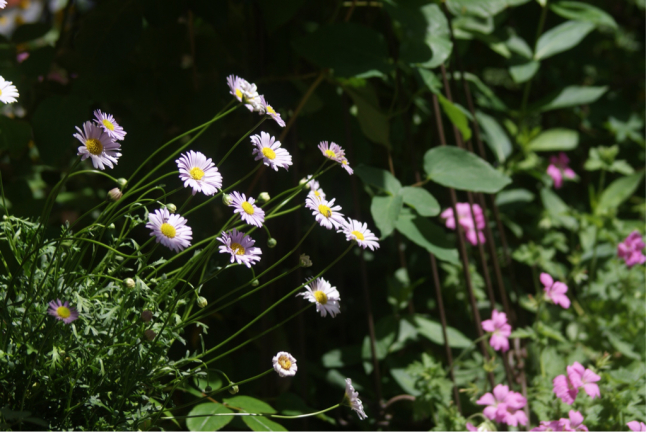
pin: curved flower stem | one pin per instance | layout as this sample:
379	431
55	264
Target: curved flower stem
239	141
256	414
94	172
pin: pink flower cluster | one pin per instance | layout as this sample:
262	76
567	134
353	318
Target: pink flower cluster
558	168
505	406
500	330
567	387
555	291
473	232
636	426
631	249
574	423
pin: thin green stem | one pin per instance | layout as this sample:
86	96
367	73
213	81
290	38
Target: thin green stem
233	147
255	414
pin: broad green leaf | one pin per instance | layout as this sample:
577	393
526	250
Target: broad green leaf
569	97
557	209
431	80
517	45
432	330
549	332
580	11
405	380
631	128
385	334
561	38
465	25
260	423
438	38
619	191
374	123
494	135
524	72
481	8
485	97
456	115
249	404
460	169
342	357
623	347
555	139
421	200
522	333
209	421
426	234
385	211
514	196
378	178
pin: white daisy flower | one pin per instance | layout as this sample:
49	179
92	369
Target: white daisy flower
240	246
268	110
285	364
200	173
109	125
325	296
346	166
170	229
326	213
97	145
313	186
269	150
3	4
248	211
332	151
245	92
8	92
352	398
353	230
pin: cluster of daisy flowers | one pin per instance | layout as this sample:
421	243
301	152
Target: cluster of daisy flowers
100	140
247	94
566	387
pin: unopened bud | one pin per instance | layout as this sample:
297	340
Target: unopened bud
271	243
171	208
122	182
263	197
202	302
305	261
112	226
146	316
130	282
255	283
234	389
150	335
303	181
115	194
226	199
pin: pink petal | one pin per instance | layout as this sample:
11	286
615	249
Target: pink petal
486	399
546	280
500	392
592	390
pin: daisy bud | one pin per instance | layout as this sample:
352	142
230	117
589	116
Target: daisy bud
115	194
172	208
226	199
263	197
202	302
234	389
112	226
303	181
130	283
150	335
122	182
271	243
305	261
255	283
146	316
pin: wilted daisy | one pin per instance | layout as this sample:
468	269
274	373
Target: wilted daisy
198	172
354	230
109	125
240	246
332	151
284	364
268	110
325	296
269	150
97	145
8	92
62	311
245	92
352	399
170	229
326	213
248	211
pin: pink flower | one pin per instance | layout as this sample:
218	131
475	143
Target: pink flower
504	406
499	329
549	426
636	426
582	377
472	232
558	168
631	249
471	427
564	389
555	291
574	423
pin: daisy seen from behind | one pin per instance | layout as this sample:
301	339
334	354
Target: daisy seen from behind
326	297
244	91
8	91
248	211
285	364
270	151
332	151
267	109
200	173
240	246
109	125
170	229
351	397
325	212
354	230
97	145
62	311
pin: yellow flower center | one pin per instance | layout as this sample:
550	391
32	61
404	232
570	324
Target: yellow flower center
325	210
237	248
284	362
168	230
63	312
344	162
269	153
0	92
317	194
320	297
94	146
270	110
238	94
196	173
107	123
248	208
329	153
357	234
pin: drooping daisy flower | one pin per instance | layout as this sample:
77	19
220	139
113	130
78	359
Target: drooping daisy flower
332	151
268	110
62	311
326	213
346	166
200	173
285	364
109	125
248	211
240	246
170	229
245	92
555	291
8	92
269	150
354	230
325	296
352	399
499	329
98	146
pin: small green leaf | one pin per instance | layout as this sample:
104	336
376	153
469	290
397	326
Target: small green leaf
555	139
561	38
619	191
522	333
558	210
379	178
385	333
549	332
426	234
432	330
569	97
385	211
524	71
456	115
421	200
494	135
438	36
209	421
514	196
580	11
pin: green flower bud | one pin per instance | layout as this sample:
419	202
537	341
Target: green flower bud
115	194
171	208
255	283
234	390
202	302
122	182
226	199
271	243
263	197
130	282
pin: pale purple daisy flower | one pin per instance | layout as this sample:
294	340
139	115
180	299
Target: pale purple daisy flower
109	125
8	91
269	150
3	4
314	187
98	146
499	329
636	426
62	311
200	173
332	151
555	291
325	296
285	364
240	246
170	229
346	166
245	92
326	213
352	398
354	230
268	110
248	211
